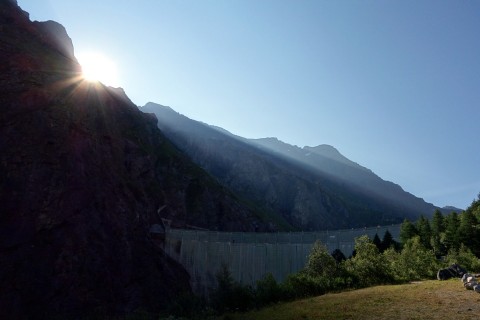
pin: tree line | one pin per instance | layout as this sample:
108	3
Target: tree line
425	247
449	233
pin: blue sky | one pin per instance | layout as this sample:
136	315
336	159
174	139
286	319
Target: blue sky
394	85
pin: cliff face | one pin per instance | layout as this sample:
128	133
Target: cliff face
84	175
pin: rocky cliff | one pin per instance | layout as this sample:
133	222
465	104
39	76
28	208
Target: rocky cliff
84	176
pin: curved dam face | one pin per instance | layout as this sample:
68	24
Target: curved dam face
250	256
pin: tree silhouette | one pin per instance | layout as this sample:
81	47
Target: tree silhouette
377	242
338	255
388	242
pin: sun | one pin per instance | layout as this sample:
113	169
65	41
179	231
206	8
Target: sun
98	68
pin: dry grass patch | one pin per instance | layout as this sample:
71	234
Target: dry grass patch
420	300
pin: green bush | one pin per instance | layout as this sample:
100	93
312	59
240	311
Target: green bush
302	285
464	257
414	262
320	262
267	291
368	267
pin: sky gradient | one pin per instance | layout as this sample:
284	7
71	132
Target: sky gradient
393	85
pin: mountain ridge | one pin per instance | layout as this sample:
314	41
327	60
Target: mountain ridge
352	172
341	182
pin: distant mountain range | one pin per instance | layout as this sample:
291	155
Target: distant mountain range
310	188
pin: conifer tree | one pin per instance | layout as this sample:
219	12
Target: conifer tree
377	242
388	242
452	223
424	231
407	231
475	208
438	224
438	231
338	255
467	231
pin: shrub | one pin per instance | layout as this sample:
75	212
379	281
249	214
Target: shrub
414	262
320	262
302	285
231	295
267	291
369	267
464	257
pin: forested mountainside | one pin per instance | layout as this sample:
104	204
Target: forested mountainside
84	176
312	188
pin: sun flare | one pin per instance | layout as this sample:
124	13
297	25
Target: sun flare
98	68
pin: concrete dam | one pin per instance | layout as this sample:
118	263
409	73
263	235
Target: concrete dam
250	256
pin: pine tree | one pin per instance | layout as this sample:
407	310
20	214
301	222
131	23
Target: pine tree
438	231
468	232
338	255
424	231
438	224
407	231
388	242
474	208
377	242
451	240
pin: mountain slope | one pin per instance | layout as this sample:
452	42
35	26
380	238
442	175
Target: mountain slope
330	161
84	175
312	188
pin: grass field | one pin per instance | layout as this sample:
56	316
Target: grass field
431	299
